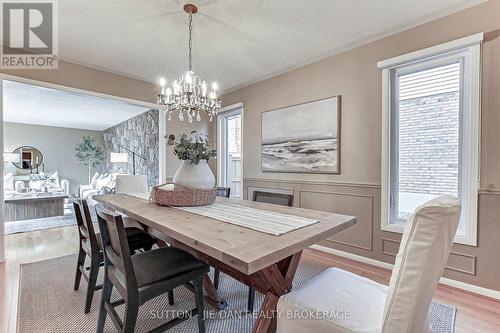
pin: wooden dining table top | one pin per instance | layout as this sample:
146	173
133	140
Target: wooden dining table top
242	248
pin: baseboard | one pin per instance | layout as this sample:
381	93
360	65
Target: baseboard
495	294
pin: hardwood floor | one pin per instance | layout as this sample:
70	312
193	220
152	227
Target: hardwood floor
24	248
475	313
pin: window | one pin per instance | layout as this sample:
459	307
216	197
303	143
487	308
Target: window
431	108
230	159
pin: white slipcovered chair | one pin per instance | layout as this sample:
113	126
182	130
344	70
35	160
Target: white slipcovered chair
341	301
131	184
136	185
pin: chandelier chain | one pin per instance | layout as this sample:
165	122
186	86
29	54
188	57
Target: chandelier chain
190	40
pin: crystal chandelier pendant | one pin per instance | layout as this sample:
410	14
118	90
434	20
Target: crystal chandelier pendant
189	94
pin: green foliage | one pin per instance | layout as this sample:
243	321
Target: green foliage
87	153
192	148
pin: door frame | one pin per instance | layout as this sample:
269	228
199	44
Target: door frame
225	112
162	131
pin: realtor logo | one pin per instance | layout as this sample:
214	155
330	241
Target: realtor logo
29	34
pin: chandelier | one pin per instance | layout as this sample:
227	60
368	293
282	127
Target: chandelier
189	94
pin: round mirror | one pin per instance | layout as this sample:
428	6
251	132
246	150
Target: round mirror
31	158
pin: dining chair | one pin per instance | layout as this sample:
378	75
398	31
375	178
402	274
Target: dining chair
273	198
126	184
224	192
357	304
282	199
265	197
143	276
131	185
90	246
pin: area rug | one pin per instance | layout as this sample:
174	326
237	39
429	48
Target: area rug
68	219
47	303
15	227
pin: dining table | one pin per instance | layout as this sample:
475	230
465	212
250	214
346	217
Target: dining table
263	261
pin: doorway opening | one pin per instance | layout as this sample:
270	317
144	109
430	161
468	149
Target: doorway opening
230	147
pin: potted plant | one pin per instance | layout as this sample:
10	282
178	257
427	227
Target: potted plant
194	152
88	153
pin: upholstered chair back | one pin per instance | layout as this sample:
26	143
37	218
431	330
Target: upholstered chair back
424	249
131	184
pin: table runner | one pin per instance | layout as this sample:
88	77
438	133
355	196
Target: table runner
257	219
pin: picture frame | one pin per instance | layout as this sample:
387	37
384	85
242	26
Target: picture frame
303	138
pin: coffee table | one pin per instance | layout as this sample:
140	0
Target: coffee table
34	207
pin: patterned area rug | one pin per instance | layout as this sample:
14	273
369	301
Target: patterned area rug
47	303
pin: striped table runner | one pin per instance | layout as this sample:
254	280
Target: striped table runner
261	220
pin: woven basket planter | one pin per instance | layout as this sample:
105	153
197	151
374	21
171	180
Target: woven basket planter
182	196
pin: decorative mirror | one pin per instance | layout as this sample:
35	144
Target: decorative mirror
31	158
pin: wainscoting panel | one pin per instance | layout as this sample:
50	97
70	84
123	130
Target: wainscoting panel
462	262
467	264
351	199
457	261
390	246
361	206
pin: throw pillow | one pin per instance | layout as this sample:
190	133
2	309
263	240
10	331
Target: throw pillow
94	179
104	180
53	179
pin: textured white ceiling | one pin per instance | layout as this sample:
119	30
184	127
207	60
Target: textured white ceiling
236	42
29	104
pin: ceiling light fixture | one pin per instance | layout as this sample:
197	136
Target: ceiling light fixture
189	94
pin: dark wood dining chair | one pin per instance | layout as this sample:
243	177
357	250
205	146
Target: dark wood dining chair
143	276
271	198
265	197
90	246
224	192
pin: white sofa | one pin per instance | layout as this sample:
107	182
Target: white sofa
36	182
49	180
100	184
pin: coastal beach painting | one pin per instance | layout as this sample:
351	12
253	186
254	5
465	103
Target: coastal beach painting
302	138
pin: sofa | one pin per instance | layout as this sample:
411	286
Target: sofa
39	182
100	184
51	181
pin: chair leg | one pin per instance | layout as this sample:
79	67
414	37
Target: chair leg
251	299
106	297
131	312
93	273
171	297
198	292
216	278
79	263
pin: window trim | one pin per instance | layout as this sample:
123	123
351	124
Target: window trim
471	162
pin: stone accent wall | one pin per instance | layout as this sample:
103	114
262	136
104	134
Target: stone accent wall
140	135
428	144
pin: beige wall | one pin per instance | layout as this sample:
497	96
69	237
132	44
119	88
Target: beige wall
355	76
